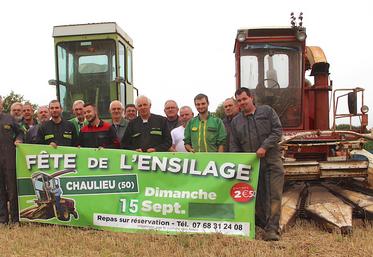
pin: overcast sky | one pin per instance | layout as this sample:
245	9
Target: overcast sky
182	48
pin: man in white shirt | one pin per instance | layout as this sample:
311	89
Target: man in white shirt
177	133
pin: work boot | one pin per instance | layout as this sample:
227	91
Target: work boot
271	235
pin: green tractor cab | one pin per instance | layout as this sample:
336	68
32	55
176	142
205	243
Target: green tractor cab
93	64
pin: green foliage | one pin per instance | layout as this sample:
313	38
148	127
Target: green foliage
12	98
347	127
219	112
369	146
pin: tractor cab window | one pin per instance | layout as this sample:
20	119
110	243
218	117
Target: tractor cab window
276	70
129	66
273	74
85	71
249	71
93	64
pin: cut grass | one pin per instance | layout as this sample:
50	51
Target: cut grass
303	239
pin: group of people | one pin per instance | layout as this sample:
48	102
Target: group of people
245	128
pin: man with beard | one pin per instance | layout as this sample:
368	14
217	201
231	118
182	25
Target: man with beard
204	133
43	116
98	133
78	121
10	136
16	111
117	120
57	132
130	112
148	132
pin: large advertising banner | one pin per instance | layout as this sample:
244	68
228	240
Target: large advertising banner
123	190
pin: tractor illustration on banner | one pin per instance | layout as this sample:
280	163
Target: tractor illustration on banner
49	202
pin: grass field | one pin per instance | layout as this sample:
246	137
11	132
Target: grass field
304	239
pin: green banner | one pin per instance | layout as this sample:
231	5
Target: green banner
123	190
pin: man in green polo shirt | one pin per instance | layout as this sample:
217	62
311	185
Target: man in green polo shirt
204	133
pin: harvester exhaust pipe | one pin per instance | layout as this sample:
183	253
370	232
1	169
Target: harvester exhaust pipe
320	71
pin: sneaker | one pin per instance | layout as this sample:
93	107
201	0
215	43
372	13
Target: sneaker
271	235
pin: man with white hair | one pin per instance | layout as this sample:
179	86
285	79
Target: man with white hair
177	134
148	132
10	135
78	121
118	122
16	111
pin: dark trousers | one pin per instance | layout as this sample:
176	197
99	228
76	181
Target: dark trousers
8	189
269	191
58	203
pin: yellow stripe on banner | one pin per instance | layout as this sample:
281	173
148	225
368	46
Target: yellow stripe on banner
204	136
199	136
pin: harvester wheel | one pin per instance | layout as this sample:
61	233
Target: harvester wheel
64	214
